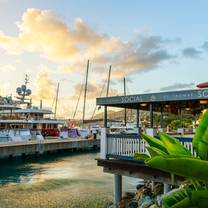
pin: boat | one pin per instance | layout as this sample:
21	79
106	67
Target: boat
21	121
202	85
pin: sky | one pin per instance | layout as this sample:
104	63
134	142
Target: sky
156	45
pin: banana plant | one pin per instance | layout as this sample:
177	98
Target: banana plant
167	154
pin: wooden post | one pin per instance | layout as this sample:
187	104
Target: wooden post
151	115
181	119
137	118
195	119
105	117
117	189
161	117
138	127
166	188
103	143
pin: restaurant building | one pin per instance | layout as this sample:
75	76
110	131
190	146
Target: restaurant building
117	150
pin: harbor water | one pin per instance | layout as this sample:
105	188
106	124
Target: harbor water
60	180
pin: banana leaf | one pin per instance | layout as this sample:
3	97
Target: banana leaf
176	198
200	140
155	152
173	146
184	166
186	198
141	156
153	142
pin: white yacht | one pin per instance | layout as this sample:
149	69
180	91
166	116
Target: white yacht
20	121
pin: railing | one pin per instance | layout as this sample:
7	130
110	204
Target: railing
124	146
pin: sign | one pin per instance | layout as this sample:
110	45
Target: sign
155	97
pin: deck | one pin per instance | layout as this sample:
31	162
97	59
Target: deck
135	169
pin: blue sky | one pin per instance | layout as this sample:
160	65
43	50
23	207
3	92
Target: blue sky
112	32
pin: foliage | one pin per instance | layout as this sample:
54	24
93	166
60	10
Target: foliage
167	154
173	121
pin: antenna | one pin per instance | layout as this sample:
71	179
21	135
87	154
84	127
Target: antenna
23	91
85	92
26	79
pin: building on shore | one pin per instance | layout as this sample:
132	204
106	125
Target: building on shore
117	150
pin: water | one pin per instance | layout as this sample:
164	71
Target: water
66	180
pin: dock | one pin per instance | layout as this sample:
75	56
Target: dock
34	147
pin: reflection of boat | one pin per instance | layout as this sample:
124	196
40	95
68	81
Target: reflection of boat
20	121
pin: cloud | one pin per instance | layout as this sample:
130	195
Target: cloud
45	88
93	91
7	68
147	91
205	46
5	89
144	54
177	86
43	32
191	53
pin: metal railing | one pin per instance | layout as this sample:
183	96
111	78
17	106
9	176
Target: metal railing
124	146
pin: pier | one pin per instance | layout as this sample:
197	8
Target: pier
13	149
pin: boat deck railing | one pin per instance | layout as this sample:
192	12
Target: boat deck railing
124	146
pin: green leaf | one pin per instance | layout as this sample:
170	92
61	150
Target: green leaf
153	142
173	146
200	140
183	166
177	199
141	157
186	198
155	152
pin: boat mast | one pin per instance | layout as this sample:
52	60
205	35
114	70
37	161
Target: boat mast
124	95
108	83
56	102
80	93
109	74
41	104
85	92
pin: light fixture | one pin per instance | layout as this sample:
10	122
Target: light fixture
203	102
143	104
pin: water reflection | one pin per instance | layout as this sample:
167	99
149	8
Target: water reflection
57	178
65	165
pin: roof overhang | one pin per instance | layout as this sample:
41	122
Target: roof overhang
191	99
